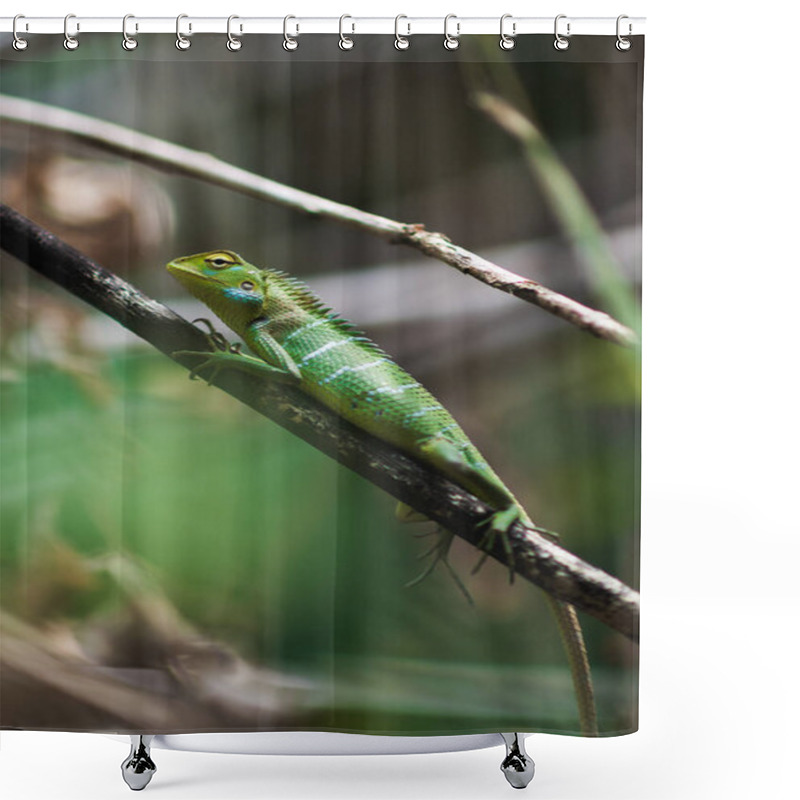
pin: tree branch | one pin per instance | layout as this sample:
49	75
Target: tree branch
538	560
179	160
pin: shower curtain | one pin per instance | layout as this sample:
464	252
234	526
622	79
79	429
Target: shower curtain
223	554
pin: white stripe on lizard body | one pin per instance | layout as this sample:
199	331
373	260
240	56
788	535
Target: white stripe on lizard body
324	349
304	329
351	369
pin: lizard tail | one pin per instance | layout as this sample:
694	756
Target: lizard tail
569	627
572	637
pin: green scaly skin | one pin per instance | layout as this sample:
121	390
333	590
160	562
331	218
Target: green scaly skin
298	340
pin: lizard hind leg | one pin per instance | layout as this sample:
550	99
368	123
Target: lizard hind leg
469	470
439	550
498	524
404	513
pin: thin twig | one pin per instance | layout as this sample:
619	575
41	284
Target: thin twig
569	204
558	572
179	160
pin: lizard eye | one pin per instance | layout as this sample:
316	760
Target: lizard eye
221	260
247	285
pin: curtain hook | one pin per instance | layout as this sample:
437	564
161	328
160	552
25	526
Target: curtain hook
128	41
345	42
507	42
401	42
451	42
289	42
561	42
19	43
70	42
234	43
181	42
622	43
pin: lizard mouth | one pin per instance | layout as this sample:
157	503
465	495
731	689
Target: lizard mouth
184	273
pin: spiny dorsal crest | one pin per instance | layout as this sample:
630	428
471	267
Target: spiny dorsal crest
303	295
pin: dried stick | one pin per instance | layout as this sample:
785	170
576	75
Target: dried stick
538	560
568	202
179	160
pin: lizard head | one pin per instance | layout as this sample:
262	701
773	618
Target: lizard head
234	290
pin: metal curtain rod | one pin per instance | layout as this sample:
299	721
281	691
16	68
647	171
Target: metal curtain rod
350	25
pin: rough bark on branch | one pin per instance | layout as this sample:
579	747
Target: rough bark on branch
549	566
180	160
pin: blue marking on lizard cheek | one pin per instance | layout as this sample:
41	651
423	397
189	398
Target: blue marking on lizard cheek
241	296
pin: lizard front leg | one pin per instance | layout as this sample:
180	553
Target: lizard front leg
274	363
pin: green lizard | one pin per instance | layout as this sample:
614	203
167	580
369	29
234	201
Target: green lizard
299	341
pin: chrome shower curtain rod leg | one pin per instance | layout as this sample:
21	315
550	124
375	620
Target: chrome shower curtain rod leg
138	768
517	766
